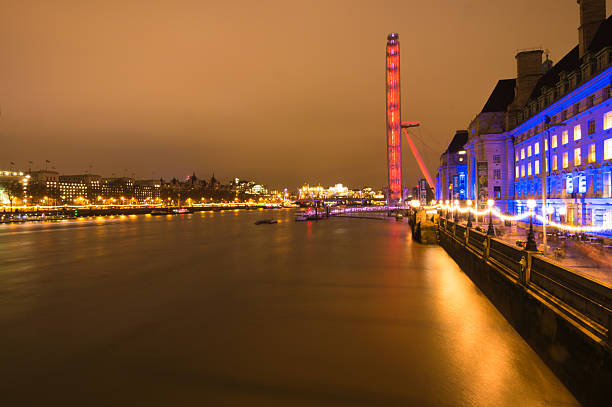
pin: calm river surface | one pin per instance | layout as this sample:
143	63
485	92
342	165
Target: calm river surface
209	309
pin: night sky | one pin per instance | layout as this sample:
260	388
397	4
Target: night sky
284	92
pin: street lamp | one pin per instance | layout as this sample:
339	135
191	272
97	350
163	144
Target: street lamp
546	126
490	230
531	243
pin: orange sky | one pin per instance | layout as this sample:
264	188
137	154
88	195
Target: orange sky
280	91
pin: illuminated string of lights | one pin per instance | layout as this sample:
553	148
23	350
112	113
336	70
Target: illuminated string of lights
451	207
497	214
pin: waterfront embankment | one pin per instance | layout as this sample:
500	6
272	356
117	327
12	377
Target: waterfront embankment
74	212
564	316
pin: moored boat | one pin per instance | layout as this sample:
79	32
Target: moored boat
301	216
266	221
159	211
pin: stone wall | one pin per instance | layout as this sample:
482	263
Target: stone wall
564	317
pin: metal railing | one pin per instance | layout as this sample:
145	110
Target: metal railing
585	301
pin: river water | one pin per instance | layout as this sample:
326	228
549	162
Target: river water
210	309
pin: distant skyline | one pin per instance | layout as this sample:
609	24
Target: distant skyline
283	92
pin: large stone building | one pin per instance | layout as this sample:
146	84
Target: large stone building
555	119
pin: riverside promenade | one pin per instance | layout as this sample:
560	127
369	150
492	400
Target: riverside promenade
590	256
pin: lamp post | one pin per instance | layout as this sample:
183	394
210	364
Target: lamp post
531	243
546	126
490	230
469	220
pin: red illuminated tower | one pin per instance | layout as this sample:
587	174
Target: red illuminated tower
394	139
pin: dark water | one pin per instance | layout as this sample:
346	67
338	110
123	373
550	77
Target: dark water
209	309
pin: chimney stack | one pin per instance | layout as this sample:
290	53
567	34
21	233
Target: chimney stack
592	14
528	72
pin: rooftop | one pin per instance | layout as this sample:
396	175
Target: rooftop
571	61
461	137
501	97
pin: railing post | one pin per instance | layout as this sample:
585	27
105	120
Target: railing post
467	235
525	262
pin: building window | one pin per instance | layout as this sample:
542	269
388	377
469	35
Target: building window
564	137
497	173
590	101
592	153
553	141
577	133
523	170
522	153
608	149
606	185
569	184
497	192
528	151
516	171
517	156
536	167
591	127
607	123
545	144
576	157
536	148
529	170
576	109
497	158
565	162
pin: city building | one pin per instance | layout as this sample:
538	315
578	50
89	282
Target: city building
553	119
14	187
82	187
424	192
451	180
44	188
565	130
147	190
319	192
121	189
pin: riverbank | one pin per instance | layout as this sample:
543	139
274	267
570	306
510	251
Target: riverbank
564	316
67	213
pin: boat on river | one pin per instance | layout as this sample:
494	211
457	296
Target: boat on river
159	212
266	221
301	216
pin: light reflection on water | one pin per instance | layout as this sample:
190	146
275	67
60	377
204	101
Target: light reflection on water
208	306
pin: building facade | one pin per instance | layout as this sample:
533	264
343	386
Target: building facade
553	119
451	179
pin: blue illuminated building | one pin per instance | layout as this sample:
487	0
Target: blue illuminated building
556	116
451	179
